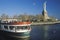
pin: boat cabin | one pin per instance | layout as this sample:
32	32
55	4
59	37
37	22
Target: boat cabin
15	26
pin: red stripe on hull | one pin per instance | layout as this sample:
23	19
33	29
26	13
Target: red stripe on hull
16	23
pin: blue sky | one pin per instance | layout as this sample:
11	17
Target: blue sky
32	7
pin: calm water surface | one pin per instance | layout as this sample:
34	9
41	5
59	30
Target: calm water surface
41	32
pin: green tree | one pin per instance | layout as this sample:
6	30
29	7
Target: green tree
4	16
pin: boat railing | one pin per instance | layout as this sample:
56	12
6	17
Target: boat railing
8	21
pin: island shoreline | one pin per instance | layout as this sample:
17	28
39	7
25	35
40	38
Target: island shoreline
45	23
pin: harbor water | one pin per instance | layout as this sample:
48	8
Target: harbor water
40	32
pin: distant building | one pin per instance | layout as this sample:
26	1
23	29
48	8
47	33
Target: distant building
44	13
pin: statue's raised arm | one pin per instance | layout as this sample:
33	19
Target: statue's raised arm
45	6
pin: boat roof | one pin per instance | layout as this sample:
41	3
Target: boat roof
15	23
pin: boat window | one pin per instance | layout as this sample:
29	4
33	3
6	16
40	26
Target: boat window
19	27
22	27
11	27
6	27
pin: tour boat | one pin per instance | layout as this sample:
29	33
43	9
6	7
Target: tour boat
15	29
